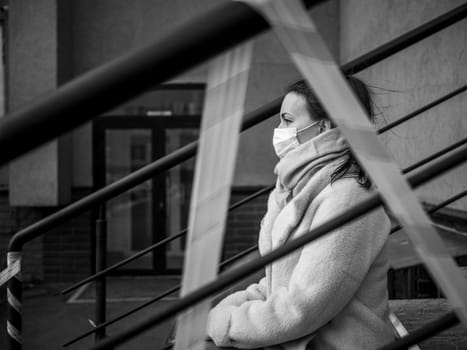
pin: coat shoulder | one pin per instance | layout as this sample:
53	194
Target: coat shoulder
345	190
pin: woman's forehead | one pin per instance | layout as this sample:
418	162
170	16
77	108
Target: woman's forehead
294	104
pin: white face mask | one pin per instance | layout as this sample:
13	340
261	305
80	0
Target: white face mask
285	139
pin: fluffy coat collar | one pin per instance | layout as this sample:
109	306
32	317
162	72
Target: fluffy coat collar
301	175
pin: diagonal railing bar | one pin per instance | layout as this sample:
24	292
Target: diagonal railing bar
268	188
139	176
172	290
158	244
423	109
89	88
434	209
193	42
447	202
436	155
252	196
428	330
235	275
153	300
411	37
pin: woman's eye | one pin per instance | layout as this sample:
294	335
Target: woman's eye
286	119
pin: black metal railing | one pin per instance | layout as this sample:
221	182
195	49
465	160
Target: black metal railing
125	77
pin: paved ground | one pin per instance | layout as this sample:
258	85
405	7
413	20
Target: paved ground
49	321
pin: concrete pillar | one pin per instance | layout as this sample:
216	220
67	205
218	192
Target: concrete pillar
39	61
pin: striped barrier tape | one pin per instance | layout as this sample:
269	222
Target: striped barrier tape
13	268
400	329
13	271
219	137
300	38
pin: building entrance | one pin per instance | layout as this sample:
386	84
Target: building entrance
156	208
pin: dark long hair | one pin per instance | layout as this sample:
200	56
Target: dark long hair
349	166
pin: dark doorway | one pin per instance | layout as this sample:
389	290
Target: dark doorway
157	208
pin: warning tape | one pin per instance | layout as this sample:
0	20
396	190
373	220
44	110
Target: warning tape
215	164
297	33
13	332
13	269
400	329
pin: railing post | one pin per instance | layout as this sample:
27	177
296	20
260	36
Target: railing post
14	310
101	286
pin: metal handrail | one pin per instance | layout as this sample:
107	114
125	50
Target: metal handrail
243	253
193	42
155	246
235	275
431	328
422	109
155	299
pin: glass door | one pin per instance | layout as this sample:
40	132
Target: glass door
130	136
178	183
129	215
159	207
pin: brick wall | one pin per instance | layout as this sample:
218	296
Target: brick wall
244	222
60	255
12	219
67	250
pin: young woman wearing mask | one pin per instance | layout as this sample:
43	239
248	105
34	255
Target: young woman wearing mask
332	293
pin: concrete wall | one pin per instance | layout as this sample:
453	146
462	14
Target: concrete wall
35	57
4	169
413	78
105	29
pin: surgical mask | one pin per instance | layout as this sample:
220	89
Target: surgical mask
285	139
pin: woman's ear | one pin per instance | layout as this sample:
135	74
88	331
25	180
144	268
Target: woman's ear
325	125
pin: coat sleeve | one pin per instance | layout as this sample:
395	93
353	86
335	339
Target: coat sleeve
255	291
328	273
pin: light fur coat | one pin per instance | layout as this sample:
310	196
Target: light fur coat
332	293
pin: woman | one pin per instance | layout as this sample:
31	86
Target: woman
332	293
